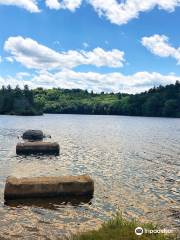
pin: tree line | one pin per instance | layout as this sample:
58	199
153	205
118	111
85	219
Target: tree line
157	102
18	102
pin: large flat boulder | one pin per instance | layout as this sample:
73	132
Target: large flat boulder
37	148
37	187
33	135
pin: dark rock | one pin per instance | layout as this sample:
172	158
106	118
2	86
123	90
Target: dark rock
33	135
37	148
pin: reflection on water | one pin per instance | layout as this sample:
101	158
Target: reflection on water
52	203
134	161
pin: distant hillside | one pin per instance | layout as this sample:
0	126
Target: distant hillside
157	102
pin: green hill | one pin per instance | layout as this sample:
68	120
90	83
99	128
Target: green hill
157	102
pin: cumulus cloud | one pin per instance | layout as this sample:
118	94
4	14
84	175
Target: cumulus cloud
32	5
160	46
33	55
121	13
29	5
97	82
0	59
117	12
65	4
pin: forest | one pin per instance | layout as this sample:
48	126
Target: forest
18	102
162	101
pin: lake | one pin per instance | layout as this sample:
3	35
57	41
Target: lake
135	162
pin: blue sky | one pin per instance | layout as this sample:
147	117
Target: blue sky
126	46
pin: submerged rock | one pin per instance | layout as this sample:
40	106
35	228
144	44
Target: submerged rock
33	135
27	148
35	187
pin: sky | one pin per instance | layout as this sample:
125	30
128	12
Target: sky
111	46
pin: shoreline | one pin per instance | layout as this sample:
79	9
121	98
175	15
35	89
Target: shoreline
87	114
119	228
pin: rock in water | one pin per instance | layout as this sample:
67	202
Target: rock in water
27	148
35	187
33	135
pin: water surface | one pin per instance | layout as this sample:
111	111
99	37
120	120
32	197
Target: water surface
134	161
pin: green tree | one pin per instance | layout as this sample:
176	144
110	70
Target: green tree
171	108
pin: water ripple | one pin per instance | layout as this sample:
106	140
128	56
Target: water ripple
134	161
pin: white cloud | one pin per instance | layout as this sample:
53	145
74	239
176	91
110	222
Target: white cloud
0	59
97	82
32	5
53	4
71	5
115	11
122	13
29	5
43	59
160	46
33	55
9	59
14	81
23	75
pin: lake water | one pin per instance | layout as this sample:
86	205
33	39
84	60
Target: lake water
134	161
